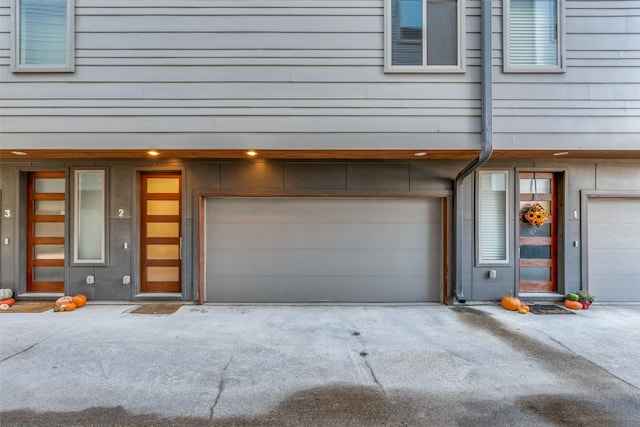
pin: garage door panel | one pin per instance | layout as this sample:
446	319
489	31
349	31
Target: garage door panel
324	288
315	263
613	233
323	249
322	236
602	234
305	210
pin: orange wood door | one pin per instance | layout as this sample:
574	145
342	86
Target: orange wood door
161	232
538	245
46	231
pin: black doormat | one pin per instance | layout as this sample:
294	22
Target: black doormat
548	309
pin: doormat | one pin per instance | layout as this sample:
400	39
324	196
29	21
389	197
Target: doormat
30	307
548	309
162	309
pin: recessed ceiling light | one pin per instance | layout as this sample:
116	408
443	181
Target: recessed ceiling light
561	153
152	153
420	154
252	153
19	153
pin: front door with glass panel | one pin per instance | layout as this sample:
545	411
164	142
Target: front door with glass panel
45	232
160	232
537	232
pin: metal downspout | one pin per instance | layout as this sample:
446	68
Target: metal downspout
486	144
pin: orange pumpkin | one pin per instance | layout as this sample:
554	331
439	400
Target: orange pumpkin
69	307
79	300
510	302
574	305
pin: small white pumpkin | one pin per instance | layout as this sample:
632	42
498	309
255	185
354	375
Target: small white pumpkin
4	307
6	293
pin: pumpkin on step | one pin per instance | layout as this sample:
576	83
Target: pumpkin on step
6	293
510	302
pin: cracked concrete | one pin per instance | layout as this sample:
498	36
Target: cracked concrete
293	365
212	411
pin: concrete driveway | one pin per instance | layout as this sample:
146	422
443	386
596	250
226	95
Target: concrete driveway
320	365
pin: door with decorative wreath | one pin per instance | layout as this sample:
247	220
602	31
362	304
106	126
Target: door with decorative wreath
537	232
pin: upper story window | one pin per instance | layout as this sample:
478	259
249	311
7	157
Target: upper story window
424	35
43	35
533	36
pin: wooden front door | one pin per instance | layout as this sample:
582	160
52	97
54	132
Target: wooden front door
46	231
161	232
537	241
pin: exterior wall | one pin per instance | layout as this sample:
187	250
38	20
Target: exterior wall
577	177
352	178
595	104
285	75
225	74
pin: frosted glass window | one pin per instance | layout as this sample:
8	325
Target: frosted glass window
535	186
89	219
44	35
48	252
163	274
163	207
50	185
163	185
163	251
49	207
163	229
48	229
492	217
533	35
48	274
422	34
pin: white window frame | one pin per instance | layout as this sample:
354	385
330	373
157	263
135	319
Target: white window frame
461	49
102	260
479	223
560	67
17	67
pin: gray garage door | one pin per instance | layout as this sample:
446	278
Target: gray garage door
613	233
323	249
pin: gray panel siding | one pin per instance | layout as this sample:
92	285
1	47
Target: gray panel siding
305	75
594	104
280	74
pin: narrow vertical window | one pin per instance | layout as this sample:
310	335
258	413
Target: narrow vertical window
89	217
492	217
423	35
533	35
43	35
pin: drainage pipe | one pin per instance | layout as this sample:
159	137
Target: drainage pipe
486	144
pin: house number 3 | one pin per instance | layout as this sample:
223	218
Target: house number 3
120	212
7	213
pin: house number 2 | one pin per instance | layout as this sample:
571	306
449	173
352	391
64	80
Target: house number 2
7	213
120	212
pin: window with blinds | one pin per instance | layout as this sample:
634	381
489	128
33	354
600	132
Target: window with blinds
422	35
532	35
43	35
492	217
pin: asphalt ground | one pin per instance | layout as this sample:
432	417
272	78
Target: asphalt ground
320	365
